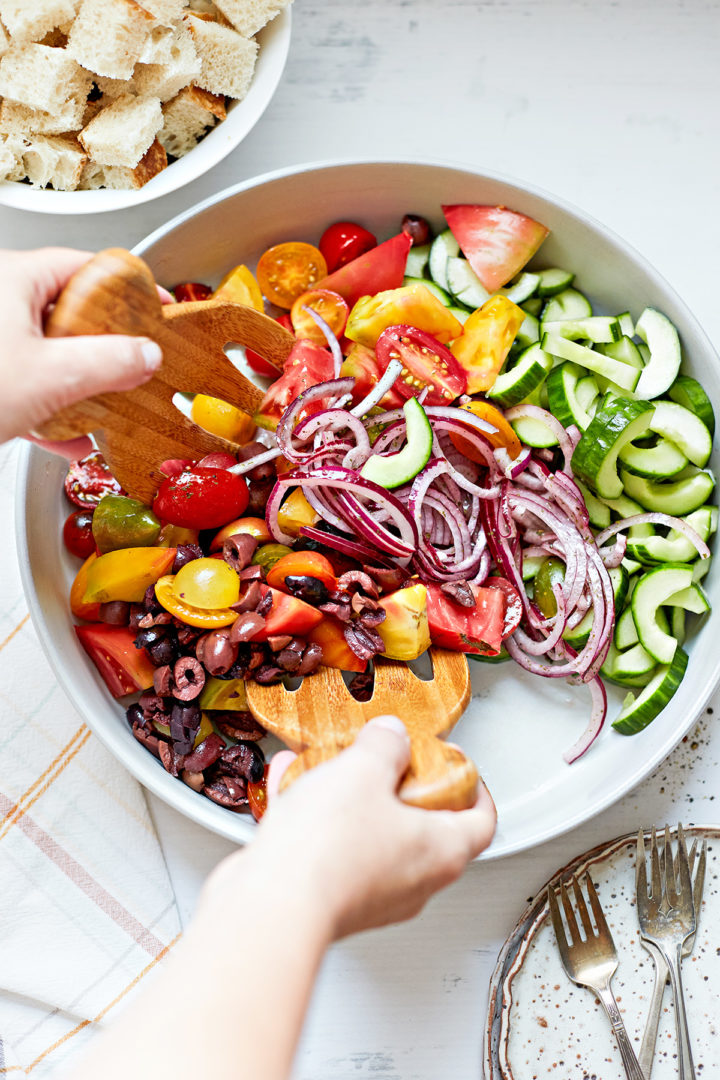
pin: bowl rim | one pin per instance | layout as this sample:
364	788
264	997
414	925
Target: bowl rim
238	828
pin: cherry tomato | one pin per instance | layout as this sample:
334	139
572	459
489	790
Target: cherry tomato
257	795
207	583
88	480
175	466
425	363
207	618
254	526
287	270
258	363
329	305
343	242
219	459
201	498
504	436
191	290
301	563
222	419
78	535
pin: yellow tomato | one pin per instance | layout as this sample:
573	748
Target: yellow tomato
192	616
504	436
222	419
485	341
241	287
254	526
81	610
175	535
405	630
413	305
287	270
207	583
295	512
125	574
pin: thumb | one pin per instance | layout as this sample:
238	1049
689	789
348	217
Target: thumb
385	744
74	368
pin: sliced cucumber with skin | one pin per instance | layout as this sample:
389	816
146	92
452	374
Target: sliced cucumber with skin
626	324
678	620
462	314
662	339
678	497
688	392
623	507
533	432
656	462
675	547
598	512
638	712
531	565
596	328
683	428
443	247
565	405
607	671
621	374
624	350
626	634
554	281
633	662
463	282
613	427
631	566
700	569
528	333
567	304
515	385
533	306
394	470
651	593
417	261
620	580
693	598
431	286
522	288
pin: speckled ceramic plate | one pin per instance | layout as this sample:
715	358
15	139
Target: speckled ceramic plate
542	1025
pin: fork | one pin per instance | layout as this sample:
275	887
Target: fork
667	920
647	1048
592	961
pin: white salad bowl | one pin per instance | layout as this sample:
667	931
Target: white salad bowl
517	725
242	116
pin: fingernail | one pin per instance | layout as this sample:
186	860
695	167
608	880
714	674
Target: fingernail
392	723
152	356
485	800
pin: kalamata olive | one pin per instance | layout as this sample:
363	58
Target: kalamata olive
307	588
245	760
250	450
216	652
115	613
135	714
186	553
145	638
185	720
189	678
311	659
194	780
551	572
417	228
258	493
162	652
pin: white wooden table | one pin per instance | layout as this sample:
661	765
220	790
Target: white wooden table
612	106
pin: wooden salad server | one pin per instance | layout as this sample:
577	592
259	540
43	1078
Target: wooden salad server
321	718
136	430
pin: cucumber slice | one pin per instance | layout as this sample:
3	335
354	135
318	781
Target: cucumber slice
595	328
528	333
662	339
608	668
563	397
567	304
394	470
553	281
631	566
621	374
651	592
443	296
613	427
700	569
598	512
578	636
626	634
462	281
683	428
656	462
678	497
688	392
462	314
531	565
678	624
417	261
675	547
443	247
638	712
627	326
533	306
533	432
624	350
522	288
632	663
623	507
693	599
515	385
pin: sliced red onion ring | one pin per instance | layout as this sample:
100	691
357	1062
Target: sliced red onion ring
595	725
253	462
378	392
534	412
329	337
655	518
284	430
363	553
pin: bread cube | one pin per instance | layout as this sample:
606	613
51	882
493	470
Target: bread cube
14	147
119	178
165	11
108	36
4	40
42	77
167	80
18	119
249	16
123	131
187	117
56	161
8	159
158	47
31	20
227	59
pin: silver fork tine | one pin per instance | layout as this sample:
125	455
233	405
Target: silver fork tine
595	905
671	887
569	914
656	877
641	885
685	881
582	908
699	883
558	924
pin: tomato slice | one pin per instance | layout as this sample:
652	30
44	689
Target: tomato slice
513	603
504	436
497	242
336	651
426	362
307	365
302	563
191	290
88	480
285	271
486	340
257	794
375	271
201	498
343	242
476	630
288	615
124	668
329	305
362	364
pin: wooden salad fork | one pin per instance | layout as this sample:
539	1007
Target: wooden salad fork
115	293
321	718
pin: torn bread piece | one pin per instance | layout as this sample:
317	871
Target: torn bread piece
118	178
8	159
42	77
187	117
167	80
108	36
123	131
30	20
4	40
249	16
54	160
158	47
16	119
166	11
227	58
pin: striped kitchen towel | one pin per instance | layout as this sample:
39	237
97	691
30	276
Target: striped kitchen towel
87	910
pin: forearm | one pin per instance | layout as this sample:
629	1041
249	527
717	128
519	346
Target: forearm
231	1001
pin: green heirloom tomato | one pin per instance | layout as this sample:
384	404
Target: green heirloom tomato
268	554
120	522
551	572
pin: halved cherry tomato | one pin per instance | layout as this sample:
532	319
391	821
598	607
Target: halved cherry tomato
301	563
330	306
287	270
191	290
78	535
89	612
207	583
375	271
504	436
476	630
513	603
258	363
343	242
254	526
336	651
497	242
288	615
257	795
223	419
124	668
206	618
201	498
306	365
425	363
88	480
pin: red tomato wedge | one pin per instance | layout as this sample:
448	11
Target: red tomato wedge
124	668
288	615
88	480
306	365
470	630
363	365
191	290
375	271
496	242
336	651
513	603
425	361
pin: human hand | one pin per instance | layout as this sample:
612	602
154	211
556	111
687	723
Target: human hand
341	839
42	375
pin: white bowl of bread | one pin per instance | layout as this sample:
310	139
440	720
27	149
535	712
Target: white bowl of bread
106	103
